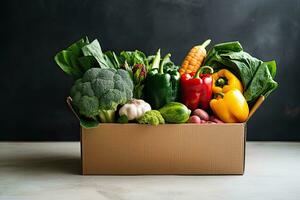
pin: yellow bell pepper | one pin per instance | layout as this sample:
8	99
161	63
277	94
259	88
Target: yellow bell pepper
230	107
224	80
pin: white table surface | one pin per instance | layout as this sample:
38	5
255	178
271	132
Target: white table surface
51	170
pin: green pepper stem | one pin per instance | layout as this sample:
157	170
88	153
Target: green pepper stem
164	60
202	69
220	82
156	61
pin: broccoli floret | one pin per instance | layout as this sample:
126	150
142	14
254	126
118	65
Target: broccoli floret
98	93
152	117
88	106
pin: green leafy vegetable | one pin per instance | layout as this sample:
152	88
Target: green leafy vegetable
113	59
133	57
87	62
138	76
256	75
136	63
65	60
262	82
94	49
98	93
80	57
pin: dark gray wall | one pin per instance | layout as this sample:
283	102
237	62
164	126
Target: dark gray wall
33	89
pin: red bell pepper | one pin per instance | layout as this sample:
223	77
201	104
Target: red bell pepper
196	88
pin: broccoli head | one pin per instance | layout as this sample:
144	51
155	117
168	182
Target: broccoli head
98	93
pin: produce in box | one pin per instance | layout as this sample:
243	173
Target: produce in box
152	117
224	80
131	87
175	112
134	109
194	58
256	76
230	107
196	88
162	85
98	93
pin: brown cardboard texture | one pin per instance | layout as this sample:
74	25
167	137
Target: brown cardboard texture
164	149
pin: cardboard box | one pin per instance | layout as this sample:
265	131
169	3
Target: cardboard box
164	149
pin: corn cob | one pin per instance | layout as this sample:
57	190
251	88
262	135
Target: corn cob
194	58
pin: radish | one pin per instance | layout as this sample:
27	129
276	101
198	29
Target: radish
194	119
215	119
202	114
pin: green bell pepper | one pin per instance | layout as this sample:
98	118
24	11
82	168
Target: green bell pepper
162	84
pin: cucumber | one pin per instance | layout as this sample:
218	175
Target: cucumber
175	112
